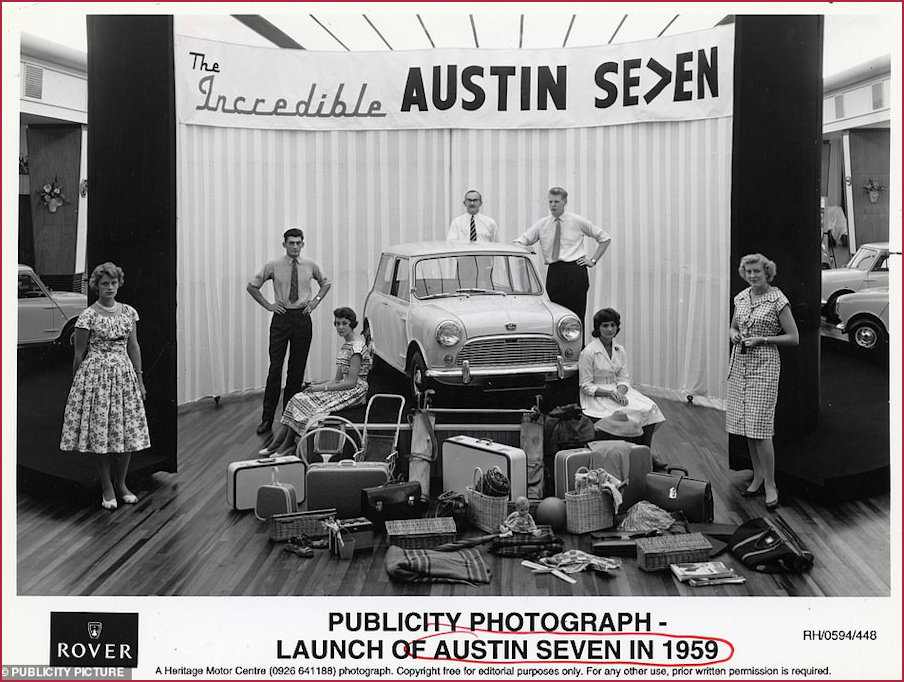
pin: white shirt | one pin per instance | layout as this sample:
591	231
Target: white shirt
460	229
571	243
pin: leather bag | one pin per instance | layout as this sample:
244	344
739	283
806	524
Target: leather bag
391	502
770	545
679	492
423	450
532	444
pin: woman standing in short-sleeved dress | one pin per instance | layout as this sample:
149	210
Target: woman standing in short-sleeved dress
762	321
105	409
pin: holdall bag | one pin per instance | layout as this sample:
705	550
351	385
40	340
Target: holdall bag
770	546
391	502
275	498
423	449
674	492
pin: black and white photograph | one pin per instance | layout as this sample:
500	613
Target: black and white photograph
343	303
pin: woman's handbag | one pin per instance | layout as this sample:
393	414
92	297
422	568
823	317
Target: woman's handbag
391	502
769	545
674	492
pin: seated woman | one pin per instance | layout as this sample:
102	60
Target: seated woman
606	392
347	389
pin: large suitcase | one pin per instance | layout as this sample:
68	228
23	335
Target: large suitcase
462	454
245	477
275	497
610	455
338	485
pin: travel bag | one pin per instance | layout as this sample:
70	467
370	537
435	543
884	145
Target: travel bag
628	462
243	478
463	454
770	545
680	492
338	485
275	498
391	502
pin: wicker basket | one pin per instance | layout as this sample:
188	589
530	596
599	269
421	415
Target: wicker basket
420	533
285	526
485	512
657	553
588	511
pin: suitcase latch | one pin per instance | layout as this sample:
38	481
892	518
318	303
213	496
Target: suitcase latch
673	493
379	505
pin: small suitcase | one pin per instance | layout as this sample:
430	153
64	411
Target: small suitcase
338	485
245	477
462	454
275	498
605	454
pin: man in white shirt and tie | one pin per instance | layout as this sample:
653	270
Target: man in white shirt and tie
561	236
472	226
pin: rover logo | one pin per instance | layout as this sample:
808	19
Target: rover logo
93	640
511	326
94	629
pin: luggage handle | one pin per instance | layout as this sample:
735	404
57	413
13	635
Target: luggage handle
266	460
273	479
478	475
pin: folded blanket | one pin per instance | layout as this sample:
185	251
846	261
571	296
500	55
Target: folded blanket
528	545
429	566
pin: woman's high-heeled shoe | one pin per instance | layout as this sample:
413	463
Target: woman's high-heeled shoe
773	505
107	504
754	493
129	498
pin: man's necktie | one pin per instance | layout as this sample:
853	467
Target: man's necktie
473	230
293	282
557	241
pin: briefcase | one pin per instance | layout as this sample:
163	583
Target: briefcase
391	502
338	485
680	492
462	454
245	477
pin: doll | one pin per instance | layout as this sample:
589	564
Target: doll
520	520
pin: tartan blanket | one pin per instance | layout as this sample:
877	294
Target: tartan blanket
429	566
544	543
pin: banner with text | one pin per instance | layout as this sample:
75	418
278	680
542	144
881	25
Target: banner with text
683	77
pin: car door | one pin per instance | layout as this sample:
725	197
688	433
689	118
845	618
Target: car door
395	315
40	320
878	274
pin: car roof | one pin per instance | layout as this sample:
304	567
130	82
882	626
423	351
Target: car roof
876	245
435	248
25	268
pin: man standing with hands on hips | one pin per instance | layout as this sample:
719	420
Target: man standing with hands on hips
290	327
561	236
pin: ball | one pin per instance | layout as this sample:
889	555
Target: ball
551	512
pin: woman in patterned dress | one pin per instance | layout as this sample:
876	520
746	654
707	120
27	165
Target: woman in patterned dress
105	409
347	388
762	321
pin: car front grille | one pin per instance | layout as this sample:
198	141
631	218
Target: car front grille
509	351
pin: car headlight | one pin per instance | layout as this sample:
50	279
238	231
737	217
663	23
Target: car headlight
448	333
569	328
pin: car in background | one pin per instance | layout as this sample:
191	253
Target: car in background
468	314
864	318
867	268
45	316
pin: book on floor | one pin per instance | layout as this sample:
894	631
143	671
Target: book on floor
702	569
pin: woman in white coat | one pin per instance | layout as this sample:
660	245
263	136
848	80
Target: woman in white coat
606	393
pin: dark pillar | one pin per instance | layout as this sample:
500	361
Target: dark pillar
775	190
132	173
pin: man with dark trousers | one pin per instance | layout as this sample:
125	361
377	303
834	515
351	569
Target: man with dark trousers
290	327
561	236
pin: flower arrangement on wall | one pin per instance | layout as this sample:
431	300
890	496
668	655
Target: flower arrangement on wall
51	195
873	189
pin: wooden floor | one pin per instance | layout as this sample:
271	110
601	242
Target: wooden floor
182	539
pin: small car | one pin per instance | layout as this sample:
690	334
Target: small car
867	268
864	318
468	314
45	316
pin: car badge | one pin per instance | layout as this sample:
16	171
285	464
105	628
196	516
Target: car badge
511	326
94	629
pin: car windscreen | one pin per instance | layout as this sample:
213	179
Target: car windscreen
863	259
475	274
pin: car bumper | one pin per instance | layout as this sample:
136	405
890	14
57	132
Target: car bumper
467	375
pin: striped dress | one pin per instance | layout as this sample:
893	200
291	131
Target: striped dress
305	405
753	376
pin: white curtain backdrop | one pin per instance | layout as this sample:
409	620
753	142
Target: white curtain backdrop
661	189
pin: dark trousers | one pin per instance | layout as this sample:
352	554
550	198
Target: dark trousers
291	330
567	285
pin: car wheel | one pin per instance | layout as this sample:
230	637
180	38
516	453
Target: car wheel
829	311
417	375
867	334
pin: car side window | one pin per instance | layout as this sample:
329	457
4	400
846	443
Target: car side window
383	280
881	263
28	288
400	281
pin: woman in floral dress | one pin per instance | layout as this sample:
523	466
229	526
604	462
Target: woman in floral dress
762	321
347	389
105	410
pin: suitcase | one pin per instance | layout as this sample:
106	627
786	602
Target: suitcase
338	485
462	454
275	498
245	477
600	454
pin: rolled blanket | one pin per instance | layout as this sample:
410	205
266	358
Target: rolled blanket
429	566
528	545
